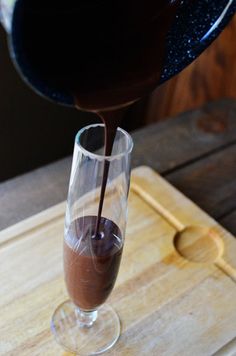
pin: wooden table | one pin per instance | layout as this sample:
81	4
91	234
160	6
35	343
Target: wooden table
195	151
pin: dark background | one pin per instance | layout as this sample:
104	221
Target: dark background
34	131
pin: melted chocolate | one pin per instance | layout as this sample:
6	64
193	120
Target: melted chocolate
111	121
105	53
91	262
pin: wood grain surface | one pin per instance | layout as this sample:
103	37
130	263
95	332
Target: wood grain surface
167	147
212	76
168	303
202	181
170	145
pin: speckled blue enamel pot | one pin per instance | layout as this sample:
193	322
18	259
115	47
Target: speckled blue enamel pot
197	23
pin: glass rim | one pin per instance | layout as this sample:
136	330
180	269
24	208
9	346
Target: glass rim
99	156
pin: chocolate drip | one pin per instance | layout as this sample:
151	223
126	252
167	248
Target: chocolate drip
111	120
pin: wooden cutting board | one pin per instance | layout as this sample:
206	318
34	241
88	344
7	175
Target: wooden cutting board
176	290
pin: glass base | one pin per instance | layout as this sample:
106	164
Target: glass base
83	340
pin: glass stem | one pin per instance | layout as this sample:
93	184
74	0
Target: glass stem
86	318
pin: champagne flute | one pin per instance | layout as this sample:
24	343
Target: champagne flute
85	325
